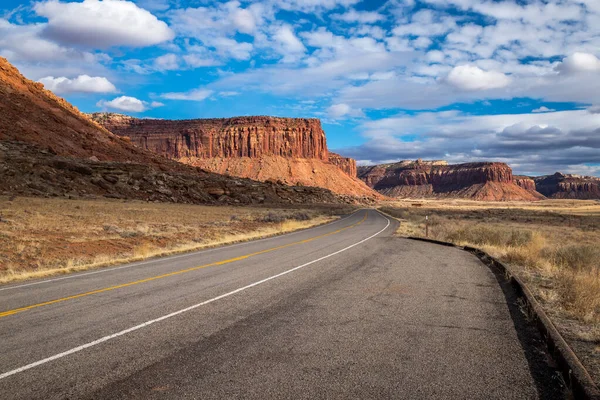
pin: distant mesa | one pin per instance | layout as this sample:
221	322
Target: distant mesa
289	150
487	181
565	186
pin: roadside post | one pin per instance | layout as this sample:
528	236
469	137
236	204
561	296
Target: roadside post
427	226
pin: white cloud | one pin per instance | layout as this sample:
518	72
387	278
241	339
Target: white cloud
198	60
470	77
362	17
288	44
310	6
542	109
192	95
102	24
216	27
167	62
124	103
340	110
81	84
579	62
40	57
594	109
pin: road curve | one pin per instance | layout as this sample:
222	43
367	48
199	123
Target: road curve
343	310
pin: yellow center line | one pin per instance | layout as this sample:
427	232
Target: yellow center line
183	271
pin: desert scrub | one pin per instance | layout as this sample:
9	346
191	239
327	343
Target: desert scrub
483	235
41	237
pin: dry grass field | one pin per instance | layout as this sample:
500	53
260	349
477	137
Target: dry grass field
41	237
554	245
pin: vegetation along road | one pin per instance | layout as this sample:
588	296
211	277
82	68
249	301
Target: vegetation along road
343	310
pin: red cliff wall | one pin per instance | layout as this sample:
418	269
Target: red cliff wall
525	182
290	150
224	137
348	165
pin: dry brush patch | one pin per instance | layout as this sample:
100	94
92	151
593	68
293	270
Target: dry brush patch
42	237
553	245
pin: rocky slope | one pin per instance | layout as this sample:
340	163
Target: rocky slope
564	186
48	148
290	150
422	179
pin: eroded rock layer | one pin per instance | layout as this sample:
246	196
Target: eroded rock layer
222	137
346	164
421	179
48	148
290	150
564	186
525	182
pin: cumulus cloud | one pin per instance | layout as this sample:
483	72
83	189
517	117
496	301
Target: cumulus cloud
542	109
81	84
102	24
580	62
193	95
124	103
39	57
216	27
128	104
341	110
470	77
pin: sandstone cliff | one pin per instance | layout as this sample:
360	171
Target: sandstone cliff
525	182
477	181
564	186
222	137
346	164
291	150
48	148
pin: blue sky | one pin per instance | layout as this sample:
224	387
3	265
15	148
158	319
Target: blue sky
461	80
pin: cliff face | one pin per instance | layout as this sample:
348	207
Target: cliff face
290	150
223	137
563	186
478	181
346	164
525	182
48	148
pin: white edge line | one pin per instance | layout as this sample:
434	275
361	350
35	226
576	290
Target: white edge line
173	257
173	314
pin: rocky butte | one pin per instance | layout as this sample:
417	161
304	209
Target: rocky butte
565	186
49	148
288	150
438	179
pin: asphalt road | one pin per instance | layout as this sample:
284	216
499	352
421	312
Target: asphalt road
343	310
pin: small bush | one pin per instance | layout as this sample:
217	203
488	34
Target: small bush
272	217
577	257
301	216
110	228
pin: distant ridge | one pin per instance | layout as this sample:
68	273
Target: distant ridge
488	181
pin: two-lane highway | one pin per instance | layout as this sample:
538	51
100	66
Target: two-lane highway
337	311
